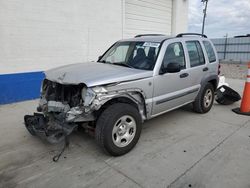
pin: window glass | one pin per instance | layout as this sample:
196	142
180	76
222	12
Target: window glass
195	53
138	55
210	51
174	54
118	54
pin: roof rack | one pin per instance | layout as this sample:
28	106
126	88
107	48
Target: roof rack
147	35
183	34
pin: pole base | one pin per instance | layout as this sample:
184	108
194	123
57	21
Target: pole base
237	111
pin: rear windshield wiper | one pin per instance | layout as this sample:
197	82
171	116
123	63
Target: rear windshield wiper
123	64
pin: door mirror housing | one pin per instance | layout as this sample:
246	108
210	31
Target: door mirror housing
172	67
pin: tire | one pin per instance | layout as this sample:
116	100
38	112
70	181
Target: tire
29	124
112	135
204	101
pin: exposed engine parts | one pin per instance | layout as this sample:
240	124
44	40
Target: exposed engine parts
66	94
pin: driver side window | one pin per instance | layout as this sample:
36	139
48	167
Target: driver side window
174	54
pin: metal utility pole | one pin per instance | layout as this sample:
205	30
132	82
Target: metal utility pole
225	46
204	14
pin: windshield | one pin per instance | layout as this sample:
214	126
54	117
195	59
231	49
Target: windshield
138	55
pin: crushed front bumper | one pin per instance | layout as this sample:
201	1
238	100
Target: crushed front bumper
47	129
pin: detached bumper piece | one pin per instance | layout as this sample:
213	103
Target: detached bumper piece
50	130
226	95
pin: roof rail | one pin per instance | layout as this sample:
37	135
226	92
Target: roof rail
239	36
146	35
183	34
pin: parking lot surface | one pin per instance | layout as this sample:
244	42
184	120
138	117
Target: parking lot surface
178	149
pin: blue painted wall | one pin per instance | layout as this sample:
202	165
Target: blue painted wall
20	86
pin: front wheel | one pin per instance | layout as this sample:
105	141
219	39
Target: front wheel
204	101
118	128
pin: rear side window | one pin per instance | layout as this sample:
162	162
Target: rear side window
195	53
210	51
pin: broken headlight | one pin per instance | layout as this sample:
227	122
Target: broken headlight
83	93
88	95
99	89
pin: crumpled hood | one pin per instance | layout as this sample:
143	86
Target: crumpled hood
94	73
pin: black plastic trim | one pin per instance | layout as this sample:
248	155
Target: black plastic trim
147	35
176	96
184	34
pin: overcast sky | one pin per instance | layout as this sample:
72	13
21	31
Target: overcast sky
223	16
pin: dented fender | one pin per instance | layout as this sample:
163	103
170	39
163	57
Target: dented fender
135	95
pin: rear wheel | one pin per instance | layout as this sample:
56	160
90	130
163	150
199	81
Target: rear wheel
118	128
204	101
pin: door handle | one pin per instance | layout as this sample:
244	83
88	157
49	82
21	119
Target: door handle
184	75
205	69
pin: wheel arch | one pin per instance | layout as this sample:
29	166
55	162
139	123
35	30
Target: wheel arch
213	79
214	82
135	99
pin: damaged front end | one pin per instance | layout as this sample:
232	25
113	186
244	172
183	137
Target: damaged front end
61	109
54	131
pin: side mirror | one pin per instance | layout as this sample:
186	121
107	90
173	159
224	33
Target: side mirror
171	68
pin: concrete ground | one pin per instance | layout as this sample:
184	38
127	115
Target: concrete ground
177	149
234	70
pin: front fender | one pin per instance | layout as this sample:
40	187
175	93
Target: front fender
133	96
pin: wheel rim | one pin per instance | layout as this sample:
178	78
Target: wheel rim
208	98
124	131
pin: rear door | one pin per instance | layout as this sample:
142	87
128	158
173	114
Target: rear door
198	65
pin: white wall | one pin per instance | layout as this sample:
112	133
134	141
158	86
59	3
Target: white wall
40	34
179	16
147	16
36	35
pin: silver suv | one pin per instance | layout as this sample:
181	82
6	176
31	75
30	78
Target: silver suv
134	80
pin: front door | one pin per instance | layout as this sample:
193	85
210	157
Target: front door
172	90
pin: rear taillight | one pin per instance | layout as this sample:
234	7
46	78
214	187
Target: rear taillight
219	66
